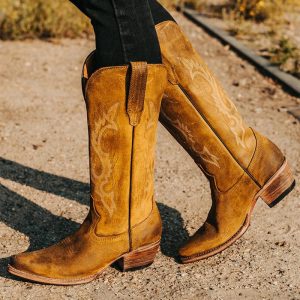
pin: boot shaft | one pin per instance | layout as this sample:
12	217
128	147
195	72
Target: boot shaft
123	106
187	70
206	121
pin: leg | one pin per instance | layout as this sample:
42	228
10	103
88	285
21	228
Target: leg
124	31
159	13
240	163
123	104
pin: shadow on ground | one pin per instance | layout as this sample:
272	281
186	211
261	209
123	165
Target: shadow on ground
43	228
57	185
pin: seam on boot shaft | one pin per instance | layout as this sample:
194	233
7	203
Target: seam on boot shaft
87	82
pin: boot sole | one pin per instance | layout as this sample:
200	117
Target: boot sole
137	259
275	190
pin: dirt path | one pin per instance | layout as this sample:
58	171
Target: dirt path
44	181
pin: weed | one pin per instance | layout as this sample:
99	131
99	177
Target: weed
287	56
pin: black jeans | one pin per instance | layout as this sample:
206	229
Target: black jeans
124	29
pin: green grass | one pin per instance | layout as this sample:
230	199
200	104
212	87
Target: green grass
287	56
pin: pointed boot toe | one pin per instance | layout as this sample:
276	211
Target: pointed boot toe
19	262
28	265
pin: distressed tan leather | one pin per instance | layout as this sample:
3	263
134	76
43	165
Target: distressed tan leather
236	159
135	103
123	215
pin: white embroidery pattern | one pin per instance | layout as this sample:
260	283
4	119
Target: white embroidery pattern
206	84
204	153
102	176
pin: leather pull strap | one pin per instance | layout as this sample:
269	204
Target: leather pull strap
137	89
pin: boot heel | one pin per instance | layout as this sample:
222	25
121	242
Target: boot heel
139	258
278	186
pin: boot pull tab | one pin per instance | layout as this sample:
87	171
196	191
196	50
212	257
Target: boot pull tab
137	89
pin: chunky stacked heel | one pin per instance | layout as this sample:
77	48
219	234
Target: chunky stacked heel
278	186
139	258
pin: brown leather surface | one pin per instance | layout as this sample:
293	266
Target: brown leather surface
227	215
236	159
149	230
137	89
142	186
266	160
194	134
110	136
123	214
188	70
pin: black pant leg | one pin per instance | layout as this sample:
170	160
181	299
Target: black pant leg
159	13
137	31
124	31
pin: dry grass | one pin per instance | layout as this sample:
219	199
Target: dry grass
267	26
257	10
21	19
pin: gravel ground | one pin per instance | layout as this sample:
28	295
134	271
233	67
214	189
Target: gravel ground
44	178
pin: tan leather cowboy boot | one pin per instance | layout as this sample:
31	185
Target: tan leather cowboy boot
240	163
123	224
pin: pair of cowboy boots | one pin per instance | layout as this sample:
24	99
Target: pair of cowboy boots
124	104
